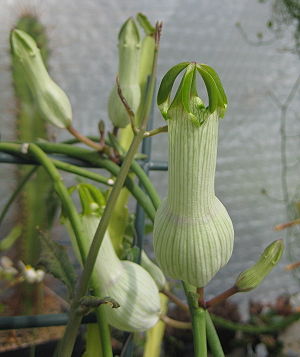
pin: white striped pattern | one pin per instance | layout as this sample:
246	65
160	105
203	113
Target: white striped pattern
193	233
126	282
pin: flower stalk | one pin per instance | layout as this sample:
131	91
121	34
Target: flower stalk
198	321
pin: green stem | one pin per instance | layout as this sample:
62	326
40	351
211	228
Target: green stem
161	129
213	338
104	331
199	332
21	184
59	186
140	173
198	321
147	184
230	325
251	329
66	346
82	172
93	347
74	218
92	160
72	214
154	336
72	141
114	169
221	297
84	139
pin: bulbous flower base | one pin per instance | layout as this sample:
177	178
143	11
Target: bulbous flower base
193	249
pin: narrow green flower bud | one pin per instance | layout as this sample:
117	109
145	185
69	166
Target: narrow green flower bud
193	233
129	54
252	277
51	100
148	47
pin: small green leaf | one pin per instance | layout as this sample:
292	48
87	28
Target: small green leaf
145	24
54	259
10	239
166	85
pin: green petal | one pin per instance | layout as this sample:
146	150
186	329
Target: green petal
166	86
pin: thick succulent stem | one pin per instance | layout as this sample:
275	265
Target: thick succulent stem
31	126
212	337
198	321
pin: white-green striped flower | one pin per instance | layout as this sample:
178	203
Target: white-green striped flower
126	282
193	233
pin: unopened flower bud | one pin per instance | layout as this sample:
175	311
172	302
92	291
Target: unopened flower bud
129	53
193	233
252	277
51	100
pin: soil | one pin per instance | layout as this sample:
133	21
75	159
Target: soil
16	339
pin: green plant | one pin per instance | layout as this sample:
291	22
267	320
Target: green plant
192	227
201	222
30	126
